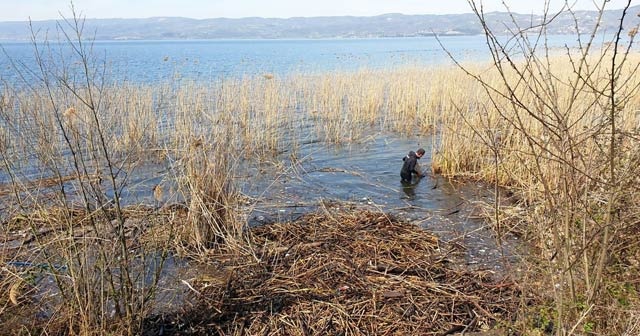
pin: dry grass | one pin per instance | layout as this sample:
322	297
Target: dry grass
473	123
268	115
336	272
550	142
206	130
42	286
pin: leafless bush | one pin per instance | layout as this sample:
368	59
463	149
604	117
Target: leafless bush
66	179
564	139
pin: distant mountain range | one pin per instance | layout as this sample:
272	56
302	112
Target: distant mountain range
387	25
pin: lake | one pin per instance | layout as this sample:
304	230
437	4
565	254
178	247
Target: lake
205	60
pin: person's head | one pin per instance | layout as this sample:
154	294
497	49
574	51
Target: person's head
420	152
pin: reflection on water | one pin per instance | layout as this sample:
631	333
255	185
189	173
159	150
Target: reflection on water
409	188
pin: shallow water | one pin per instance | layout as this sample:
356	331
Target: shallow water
368	173
365	173
362	174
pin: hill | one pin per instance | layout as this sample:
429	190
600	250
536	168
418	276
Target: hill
387	25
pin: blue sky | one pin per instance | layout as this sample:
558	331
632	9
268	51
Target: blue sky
18	10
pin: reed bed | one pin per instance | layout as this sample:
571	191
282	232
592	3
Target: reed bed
203	132
267	114
474	124
272	114
57	273
564	139
336	272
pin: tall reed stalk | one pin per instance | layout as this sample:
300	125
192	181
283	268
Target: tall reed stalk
568	144
67	178
559	130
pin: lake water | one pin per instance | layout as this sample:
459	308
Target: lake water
153	61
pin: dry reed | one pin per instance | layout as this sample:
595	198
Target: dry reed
205	130
336	272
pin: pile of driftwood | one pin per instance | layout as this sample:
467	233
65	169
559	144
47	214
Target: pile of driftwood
340	273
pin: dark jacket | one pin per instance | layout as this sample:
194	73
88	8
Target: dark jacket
409	166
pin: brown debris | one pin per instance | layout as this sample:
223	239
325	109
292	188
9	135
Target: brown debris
350	273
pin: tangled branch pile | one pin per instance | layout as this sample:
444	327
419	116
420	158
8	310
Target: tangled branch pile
341	273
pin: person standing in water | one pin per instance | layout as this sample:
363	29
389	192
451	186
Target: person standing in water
410	165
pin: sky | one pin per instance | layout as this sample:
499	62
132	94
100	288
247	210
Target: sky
21	10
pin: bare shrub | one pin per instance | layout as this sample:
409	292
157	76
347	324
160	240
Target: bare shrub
66	179
558	128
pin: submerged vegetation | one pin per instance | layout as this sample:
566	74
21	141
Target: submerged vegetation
557	132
